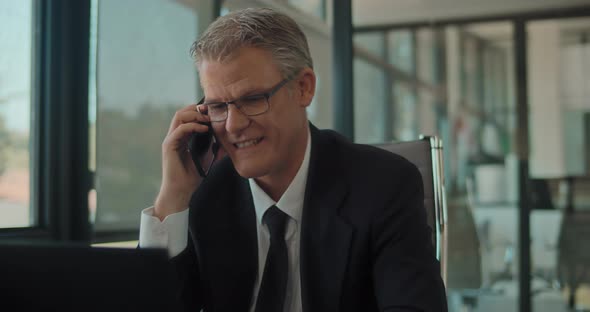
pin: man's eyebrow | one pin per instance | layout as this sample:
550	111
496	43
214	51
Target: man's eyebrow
254	91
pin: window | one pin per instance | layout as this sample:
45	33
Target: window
369	97
452	82
144	73
401	48
16	44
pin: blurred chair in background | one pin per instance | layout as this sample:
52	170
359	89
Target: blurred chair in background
426	154
574	255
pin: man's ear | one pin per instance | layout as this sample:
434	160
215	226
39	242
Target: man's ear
305	88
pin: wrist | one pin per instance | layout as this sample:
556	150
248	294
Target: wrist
167	204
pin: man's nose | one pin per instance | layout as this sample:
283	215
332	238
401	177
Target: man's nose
236	120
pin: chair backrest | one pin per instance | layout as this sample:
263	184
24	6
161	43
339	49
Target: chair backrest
426	154
574	259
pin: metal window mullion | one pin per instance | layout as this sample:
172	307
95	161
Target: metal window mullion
522	139
439	56
342	53
62	144
388	97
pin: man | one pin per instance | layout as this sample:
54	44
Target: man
295	219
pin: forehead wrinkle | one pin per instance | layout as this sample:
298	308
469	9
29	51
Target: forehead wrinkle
228	91
248	71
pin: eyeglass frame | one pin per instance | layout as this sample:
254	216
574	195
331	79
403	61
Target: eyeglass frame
266	95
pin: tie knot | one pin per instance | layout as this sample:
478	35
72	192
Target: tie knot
276	221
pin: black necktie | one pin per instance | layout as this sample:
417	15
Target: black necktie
271	296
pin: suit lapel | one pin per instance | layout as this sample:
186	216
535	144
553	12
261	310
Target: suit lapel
326	236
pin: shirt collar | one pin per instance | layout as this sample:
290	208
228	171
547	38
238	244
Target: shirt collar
291	202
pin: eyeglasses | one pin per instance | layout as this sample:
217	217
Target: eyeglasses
251	105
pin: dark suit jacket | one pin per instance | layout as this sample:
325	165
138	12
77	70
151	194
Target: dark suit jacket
365	244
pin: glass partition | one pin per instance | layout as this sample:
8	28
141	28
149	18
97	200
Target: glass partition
454	82
559	89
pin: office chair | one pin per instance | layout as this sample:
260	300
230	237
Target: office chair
574	256
426	154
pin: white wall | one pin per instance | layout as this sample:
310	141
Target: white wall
545	117
556	129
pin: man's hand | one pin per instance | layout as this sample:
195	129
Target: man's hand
180	177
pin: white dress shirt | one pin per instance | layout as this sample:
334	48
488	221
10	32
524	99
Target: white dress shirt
171	233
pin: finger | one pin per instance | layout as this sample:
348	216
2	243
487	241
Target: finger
178	138
190	107
186	116
202	108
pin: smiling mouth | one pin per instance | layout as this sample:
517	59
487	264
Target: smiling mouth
248	143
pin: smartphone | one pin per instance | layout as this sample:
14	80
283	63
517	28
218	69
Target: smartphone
198	146
199	142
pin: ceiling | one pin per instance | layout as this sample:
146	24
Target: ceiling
502	32
374	12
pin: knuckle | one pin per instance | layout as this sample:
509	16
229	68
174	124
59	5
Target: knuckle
178	116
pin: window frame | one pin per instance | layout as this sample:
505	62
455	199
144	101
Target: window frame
60	179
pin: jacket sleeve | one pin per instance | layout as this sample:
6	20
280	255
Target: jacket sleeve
190	292
406	272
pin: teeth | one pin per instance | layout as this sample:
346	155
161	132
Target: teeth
247	143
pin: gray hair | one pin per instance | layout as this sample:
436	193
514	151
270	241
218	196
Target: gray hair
262	28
